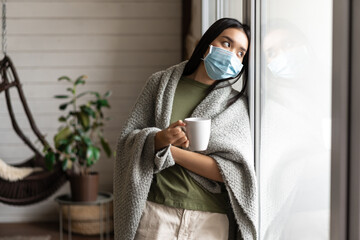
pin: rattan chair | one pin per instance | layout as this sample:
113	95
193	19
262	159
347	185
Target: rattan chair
37	186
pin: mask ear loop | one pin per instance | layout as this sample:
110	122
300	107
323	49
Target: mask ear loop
210	50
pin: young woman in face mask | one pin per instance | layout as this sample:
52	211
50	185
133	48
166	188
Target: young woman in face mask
162	190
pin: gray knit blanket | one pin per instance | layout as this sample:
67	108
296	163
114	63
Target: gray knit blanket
230	146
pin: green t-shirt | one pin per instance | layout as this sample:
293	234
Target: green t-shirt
173	186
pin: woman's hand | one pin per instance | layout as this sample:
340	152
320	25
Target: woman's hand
173	135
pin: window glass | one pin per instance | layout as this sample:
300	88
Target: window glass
295	119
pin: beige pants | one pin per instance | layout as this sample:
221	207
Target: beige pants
160	222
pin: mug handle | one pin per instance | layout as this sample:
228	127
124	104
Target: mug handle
183	128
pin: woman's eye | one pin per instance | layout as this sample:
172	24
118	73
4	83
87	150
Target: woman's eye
226	44
240	54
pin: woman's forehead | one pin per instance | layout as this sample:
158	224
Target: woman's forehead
237	35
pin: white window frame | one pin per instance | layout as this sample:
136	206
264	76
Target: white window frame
251	16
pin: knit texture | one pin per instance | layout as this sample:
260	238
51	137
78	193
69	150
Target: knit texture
230	146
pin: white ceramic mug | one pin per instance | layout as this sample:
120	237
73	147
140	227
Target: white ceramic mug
198	132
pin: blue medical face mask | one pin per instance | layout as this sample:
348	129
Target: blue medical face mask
222	64
291	64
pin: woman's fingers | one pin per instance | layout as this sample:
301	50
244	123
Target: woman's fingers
180	141
178	135
185	144
175	131
172	135
176	124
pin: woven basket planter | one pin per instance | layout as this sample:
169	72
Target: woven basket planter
85	219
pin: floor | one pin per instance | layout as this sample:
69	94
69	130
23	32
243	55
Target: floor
40	228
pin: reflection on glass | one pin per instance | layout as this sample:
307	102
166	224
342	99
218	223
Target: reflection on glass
294	151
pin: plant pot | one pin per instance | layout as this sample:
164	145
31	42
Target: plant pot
84	188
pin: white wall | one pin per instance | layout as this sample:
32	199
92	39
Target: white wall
118	44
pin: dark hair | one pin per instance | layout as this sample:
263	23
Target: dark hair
213	32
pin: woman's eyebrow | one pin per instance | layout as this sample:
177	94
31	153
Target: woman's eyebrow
228	38
232	41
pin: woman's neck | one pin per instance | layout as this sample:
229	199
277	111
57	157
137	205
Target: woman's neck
200	75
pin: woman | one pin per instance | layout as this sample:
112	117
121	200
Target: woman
164	191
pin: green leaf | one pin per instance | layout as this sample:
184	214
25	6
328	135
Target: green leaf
84	120
50	160
64	78
87	140
45	149
89	162
62	135
88	111
68	149
71	90
61	96
89	152
77	138
89	156
88	92
62	119
63	142
105	146
80	80
107	94
92	155
103	103
82	94
63	106
96	153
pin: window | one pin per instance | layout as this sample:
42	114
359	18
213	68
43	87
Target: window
290	102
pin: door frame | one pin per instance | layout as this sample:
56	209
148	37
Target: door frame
345	152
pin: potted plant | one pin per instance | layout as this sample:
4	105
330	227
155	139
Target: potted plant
79	138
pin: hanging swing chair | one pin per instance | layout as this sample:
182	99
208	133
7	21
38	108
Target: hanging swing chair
38	185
